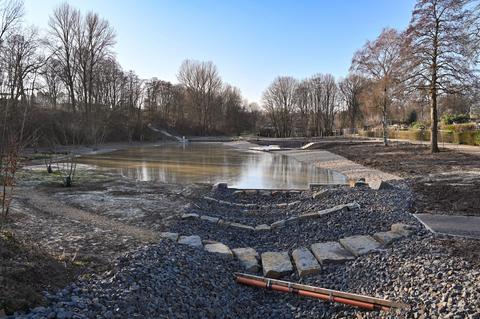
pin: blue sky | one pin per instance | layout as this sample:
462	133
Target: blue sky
251	42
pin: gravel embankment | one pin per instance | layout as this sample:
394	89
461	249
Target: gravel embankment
379	210
174	281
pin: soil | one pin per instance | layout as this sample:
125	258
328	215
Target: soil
26	270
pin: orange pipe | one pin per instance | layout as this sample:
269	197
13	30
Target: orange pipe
306	293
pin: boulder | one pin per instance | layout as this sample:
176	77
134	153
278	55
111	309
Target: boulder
380	185
387	237
402	229
331	252
305	262
248	258
360	244
276	264
193	240
219	248
220	187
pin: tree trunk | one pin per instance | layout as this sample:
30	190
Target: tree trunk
434	119
385	117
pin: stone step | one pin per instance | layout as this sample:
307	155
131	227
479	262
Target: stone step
305	262
219	248
387	237
248	258
210	219
331	252
168	235
276	264
360	244
193	240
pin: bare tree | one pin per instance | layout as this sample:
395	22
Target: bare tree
442	39
63	25
380	61
351	88
11	12
279	100
203	84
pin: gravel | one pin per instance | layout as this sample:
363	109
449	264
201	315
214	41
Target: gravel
379	210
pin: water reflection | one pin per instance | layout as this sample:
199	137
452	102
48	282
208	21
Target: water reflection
213	163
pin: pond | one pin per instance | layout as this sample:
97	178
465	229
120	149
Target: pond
211	163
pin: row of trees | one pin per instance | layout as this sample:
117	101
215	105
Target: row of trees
70	78
435	58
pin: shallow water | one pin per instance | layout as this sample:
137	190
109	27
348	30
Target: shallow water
211	163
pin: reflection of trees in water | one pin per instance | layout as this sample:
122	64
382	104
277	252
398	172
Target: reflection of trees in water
201	163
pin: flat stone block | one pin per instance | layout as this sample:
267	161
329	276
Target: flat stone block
360	244
305	262
278	224
190	216
248	258
263	227
210	219
241	226
387	237
331	252
219	248
194	241
276	265
168	235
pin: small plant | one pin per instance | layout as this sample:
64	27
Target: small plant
68	168
448	119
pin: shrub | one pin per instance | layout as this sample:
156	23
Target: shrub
455	118
457	128
419	125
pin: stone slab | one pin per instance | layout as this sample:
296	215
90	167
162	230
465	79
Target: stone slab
464	226
331	252
168	235
190	216
219	248
248	258
210	219
305	262
241	226
360	244
262	227
193	240
278	224
387	237
276	264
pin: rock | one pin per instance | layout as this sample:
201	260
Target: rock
238	193
190	216
360	244
241	226
331	252
248	258
278	224
319	193
386	238
305	262
193	240
338	208
220	187
219	248
360	184
210	219
168	235
380	185
262	227
402	229
276	264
